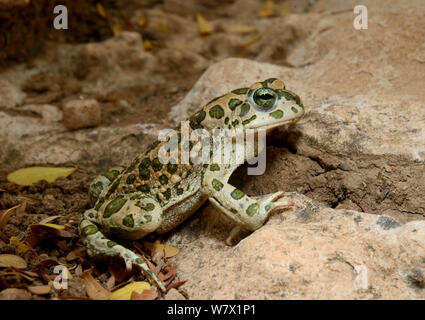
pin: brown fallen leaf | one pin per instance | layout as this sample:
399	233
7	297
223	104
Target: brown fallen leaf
76	253
164	26
70	298
110	283
100	10
11	260
176	285
40	290
240	28
203	25
48	219
4	237
5	215
93	288
168	276
143	22
145	295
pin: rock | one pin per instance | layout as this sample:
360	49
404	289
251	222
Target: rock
81	114
15	294
308	252
173	294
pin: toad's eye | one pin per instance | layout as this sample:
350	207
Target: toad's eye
265	98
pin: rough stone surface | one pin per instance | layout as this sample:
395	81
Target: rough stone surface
173	294
81	114
15	294
309	252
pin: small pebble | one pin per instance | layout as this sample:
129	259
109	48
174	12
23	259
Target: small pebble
81	114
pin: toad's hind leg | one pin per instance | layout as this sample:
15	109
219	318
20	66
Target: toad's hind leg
134	218
101	182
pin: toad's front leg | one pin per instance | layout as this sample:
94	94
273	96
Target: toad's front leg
248	213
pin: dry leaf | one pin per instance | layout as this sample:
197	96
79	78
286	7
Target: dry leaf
93	288
252	40
21	248
76	253
52	225
5	215
28	176
125	292
4	237
203	25
182	47
169	275
267	10
145	295
100	9
175	285
10	260
240	28
155	247
48	219
110	283
40	290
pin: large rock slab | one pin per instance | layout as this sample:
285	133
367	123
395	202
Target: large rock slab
310	252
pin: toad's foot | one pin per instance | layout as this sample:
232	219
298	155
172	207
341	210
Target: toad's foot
98	244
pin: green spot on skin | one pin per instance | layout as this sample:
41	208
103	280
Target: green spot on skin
234	211
144	174
244	109
237	194
128	221
294	110
153	146
268	207
214	167
156	164
131	178
131	166
149	206
226	121
89	230
216	112
252	209
99	203
245	122
233	103
114	206
113	187
196	119
111	174
217	185
235	123
180	191
277	114
111	244
167	194
136	196
286	94
98	186
148	217
265	83
240	91
138	261
145	163
143	188
171	168
163	179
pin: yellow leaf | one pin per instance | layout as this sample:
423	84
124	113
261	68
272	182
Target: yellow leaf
143	22
125	292
28	176
147	45
240	28
252	40
52	225
10	260
100	9
182	47
164	26
267	10
21	247
285	11
157	247
203	25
